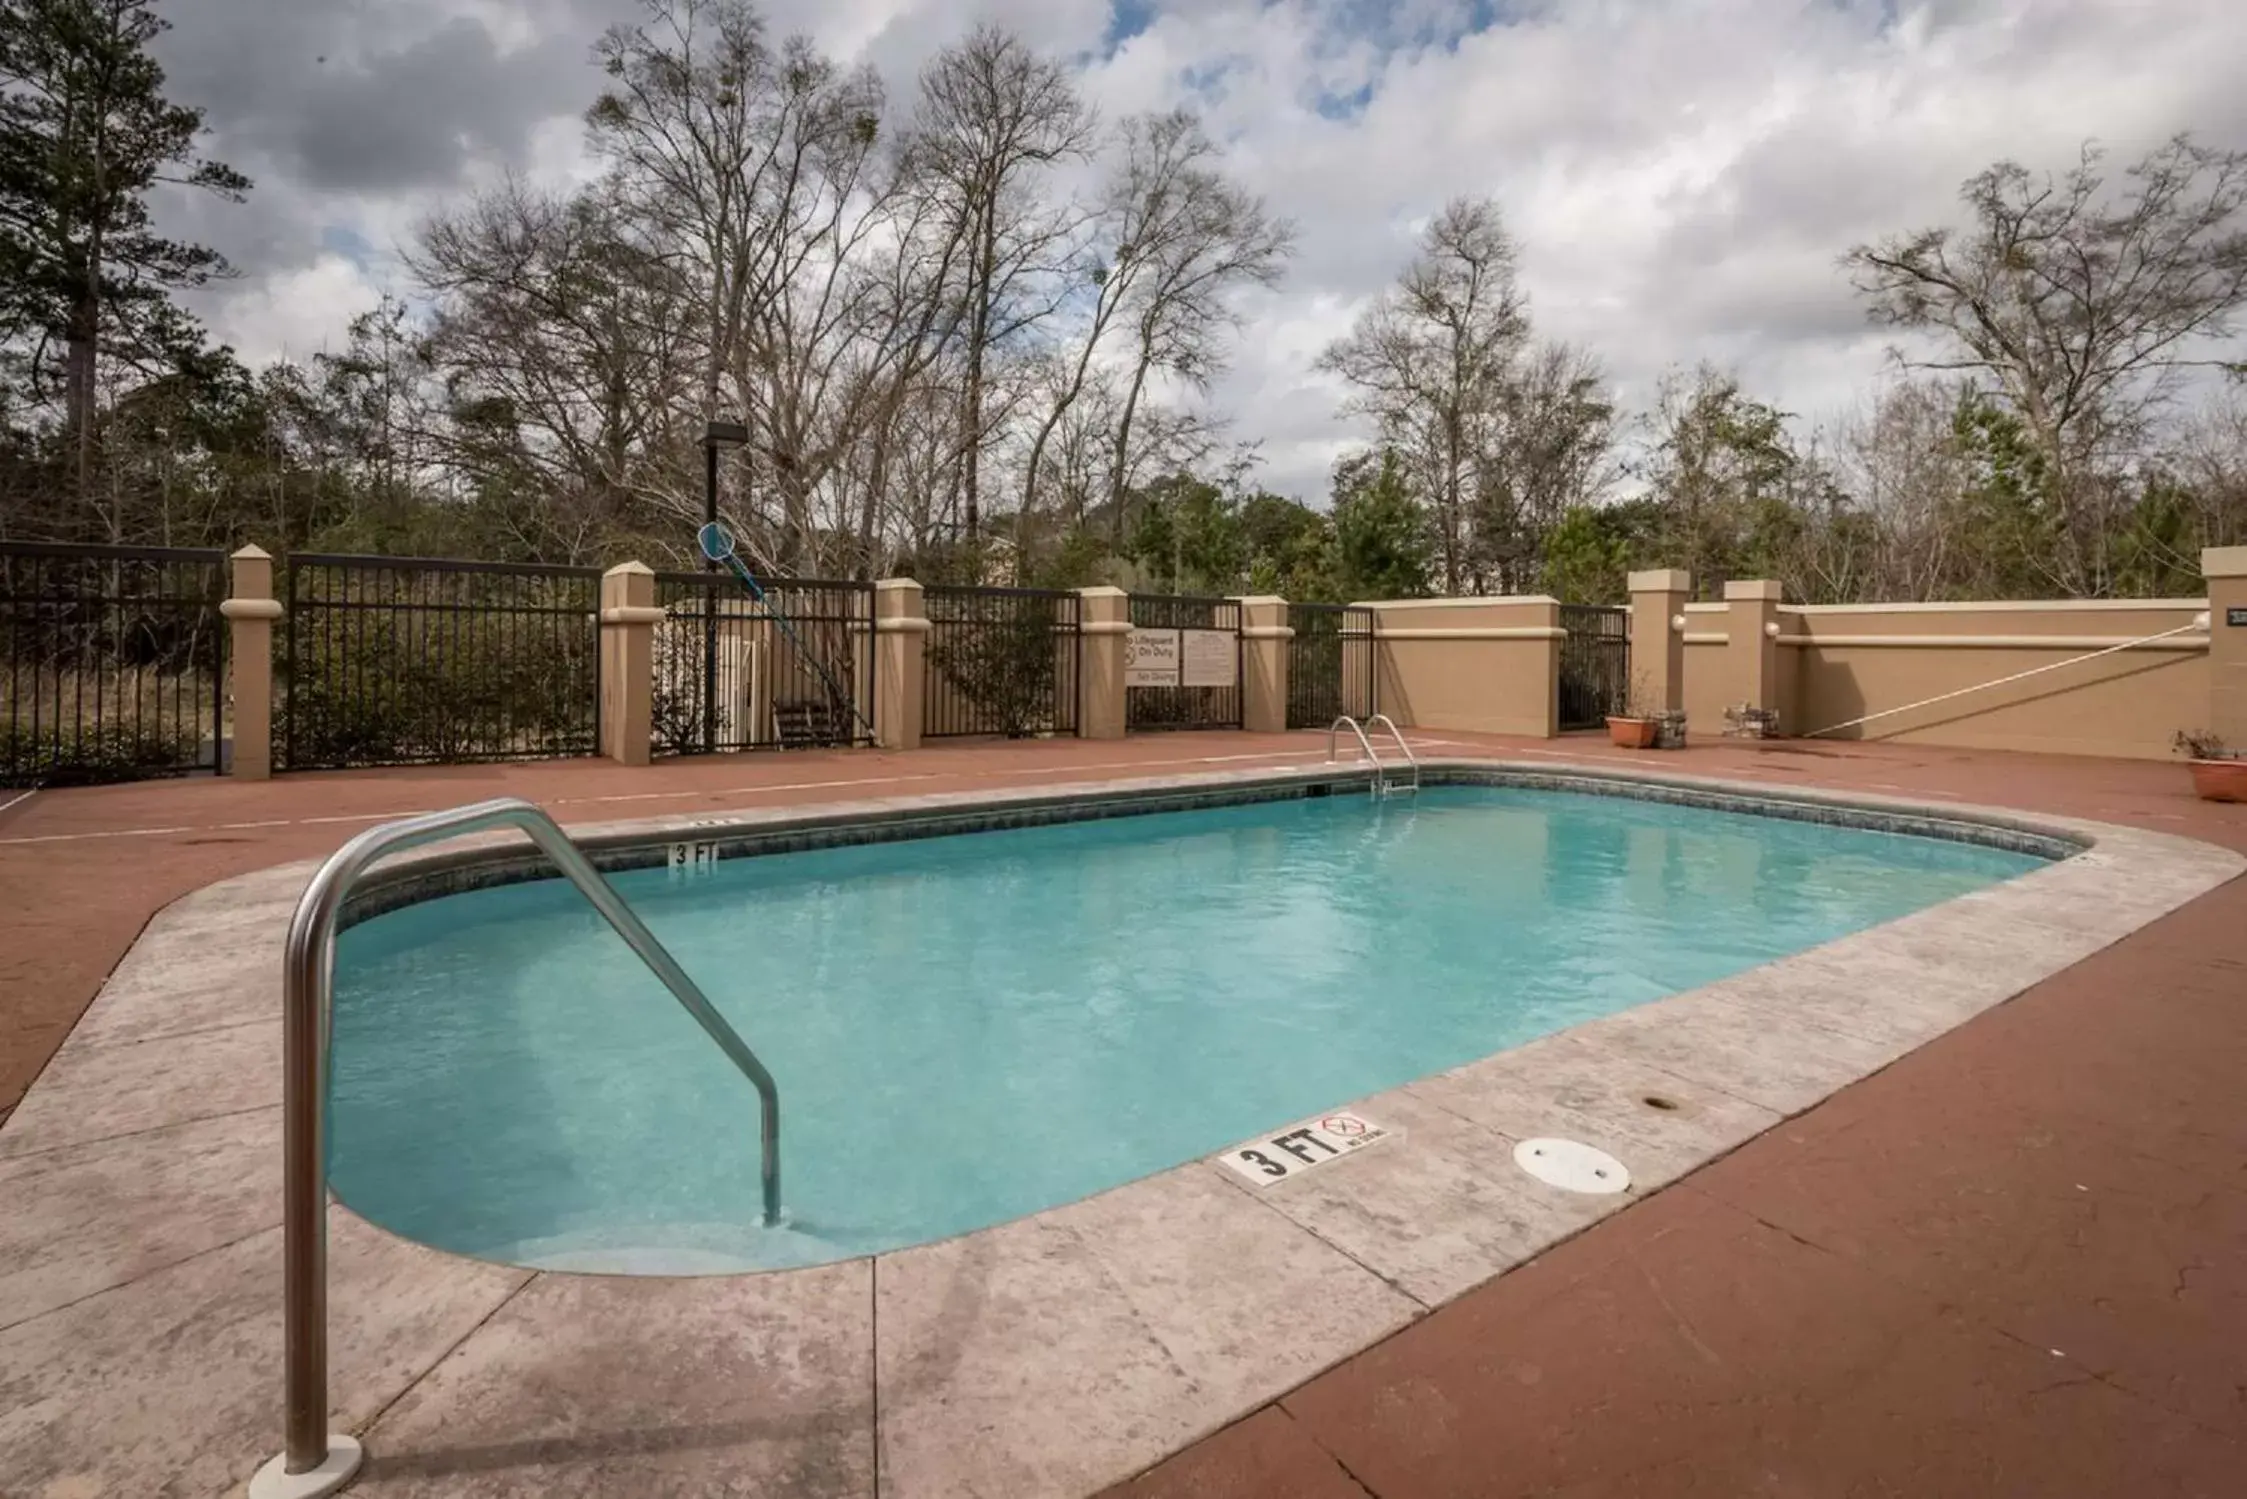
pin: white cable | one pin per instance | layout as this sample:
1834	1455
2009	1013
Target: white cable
2199	622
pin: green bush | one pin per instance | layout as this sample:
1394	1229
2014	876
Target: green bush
94	754
1005	667
415	688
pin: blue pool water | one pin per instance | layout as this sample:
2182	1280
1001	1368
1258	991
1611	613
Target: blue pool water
970	1028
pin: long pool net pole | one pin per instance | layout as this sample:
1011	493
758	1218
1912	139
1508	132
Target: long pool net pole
717	544
2199	622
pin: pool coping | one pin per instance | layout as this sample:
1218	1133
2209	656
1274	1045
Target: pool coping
1053	1354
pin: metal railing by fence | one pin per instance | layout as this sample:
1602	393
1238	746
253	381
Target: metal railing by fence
1001	661
1595	664
1203	686
427	661
112	663
807	685
1330	669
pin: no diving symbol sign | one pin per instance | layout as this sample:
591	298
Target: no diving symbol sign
1290	1152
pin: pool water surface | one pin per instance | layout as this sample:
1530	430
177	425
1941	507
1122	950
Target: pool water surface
969	1028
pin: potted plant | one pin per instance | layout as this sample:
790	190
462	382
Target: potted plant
1639	725
2219	774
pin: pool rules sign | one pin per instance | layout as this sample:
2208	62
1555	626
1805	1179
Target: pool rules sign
1303	1146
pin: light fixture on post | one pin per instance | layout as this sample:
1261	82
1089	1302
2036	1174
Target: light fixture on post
719	434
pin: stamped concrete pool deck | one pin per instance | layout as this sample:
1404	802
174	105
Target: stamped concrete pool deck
1879	1294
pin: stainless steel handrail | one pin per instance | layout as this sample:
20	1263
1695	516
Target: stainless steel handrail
1397	734
304	1466
1380	771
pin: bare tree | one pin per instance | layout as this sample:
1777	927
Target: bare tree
1428	361
561	338
993	117
1901	461
1552	447
2078	308
732	155
1201	238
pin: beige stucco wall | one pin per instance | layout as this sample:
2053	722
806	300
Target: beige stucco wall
1487	665
1708	677
1855	659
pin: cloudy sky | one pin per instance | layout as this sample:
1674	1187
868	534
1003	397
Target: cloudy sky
1681	174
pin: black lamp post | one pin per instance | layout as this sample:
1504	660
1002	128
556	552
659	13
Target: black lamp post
718	435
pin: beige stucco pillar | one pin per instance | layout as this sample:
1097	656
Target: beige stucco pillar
628	619
1264	638
1104	616
1751	652
2225	568
250	610
900	663
1658	638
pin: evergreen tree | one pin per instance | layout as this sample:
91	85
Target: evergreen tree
85	133
1381	531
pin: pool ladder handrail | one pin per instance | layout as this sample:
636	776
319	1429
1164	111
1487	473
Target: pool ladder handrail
1382	785
314	1462
1410	758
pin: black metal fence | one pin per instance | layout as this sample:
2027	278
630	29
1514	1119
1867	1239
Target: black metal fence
794	672
1595	664
1001	661
112	663
422	661
1187	630
1330	666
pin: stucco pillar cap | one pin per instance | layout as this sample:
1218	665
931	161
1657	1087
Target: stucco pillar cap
2223	562
1662	580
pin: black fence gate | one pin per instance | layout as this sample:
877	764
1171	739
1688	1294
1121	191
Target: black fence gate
112	663
1001	661
794	672
1183	663
1595	664
427	661
1329	665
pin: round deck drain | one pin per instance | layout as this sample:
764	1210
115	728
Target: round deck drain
1572	1165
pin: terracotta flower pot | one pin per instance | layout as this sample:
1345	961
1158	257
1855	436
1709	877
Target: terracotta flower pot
2215	780
1638	733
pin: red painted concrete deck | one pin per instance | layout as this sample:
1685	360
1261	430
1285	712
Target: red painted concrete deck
2015	1263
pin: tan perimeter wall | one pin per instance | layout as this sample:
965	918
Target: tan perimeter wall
1845	661
1487	665
1708	674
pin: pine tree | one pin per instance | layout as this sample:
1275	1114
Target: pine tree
85	133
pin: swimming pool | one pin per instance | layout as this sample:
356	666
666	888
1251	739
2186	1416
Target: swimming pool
969	1028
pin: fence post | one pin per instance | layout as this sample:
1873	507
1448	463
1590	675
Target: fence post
2225	568
900	662
1105	620
629	616
1264	638
250	610
1658	638
1751	648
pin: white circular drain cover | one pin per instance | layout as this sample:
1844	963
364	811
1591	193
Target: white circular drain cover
1572	1165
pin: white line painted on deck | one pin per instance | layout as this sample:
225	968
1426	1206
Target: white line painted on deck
691	793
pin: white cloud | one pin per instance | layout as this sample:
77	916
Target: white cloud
295	314
1682	174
